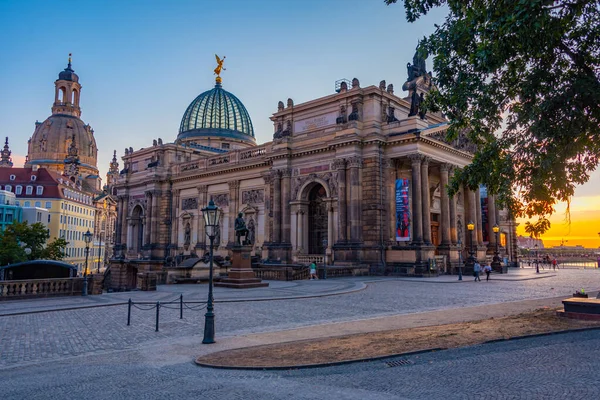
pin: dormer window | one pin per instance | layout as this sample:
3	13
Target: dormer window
12	177
33	178
8	188
39	190
19	190
29	190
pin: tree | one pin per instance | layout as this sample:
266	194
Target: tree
521	79
21	236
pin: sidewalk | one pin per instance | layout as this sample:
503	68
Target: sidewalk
276	290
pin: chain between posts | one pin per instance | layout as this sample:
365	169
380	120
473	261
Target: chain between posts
158	305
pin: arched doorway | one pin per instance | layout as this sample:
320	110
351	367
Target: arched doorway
137	229
317	220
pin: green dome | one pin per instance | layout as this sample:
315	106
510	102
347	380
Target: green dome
218	113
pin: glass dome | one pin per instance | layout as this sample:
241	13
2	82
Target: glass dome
219	113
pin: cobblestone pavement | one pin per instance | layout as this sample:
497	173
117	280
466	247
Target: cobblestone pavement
92	351
552	367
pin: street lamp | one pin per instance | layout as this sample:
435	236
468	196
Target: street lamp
324	258
496	265
211	215
471	228
537	264
460	260
87	237
99	250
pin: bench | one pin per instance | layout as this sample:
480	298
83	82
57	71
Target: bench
581	308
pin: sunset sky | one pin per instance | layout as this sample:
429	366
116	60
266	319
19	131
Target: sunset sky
142	62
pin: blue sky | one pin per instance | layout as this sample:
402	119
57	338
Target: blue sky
141	63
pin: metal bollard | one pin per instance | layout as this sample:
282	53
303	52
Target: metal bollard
181	306
157	314
129	313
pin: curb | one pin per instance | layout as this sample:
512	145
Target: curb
321	365
378	358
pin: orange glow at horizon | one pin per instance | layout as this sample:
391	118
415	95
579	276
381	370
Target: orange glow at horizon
583	230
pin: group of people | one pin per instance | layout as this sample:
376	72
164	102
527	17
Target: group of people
477	271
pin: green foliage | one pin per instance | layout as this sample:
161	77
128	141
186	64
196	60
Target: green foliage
521	78
21	236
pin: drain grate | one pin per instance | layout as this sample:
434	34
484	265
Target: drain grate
397	363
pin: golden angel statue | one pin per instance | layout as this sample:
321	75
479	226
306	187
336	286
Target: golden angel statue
219	65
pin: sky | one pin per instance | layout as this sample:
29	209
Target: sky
142	62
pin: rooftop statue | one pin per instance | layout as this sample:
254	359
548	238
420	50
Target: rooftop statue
219	67
418	67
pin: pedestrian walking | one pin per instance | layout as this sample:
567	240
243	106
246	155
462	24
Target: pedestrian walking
488	270
313	271
554	262
477	271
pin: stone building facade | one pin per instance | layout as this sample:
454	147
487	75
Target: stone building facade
327	186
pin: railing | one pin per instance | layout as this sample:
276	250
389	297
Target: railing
309	258
281	273
41	288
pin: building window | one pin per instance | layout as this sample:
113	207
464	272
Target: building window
224	145
39	190
8	188
38	204
48	205
38	217
8	217
29	190
33	178
12	177
18	203
48	218
27	204
19	189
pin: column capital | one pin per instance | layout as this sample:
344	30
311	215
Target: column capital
338	163
286	172
445	167
268	178
355	162
235	184
426	160
389	163
202	189
416	158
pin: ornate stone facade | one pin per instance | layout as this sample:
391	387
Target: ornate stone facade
326	186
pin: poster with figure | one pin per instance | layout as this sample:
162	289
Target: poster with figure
402	211
485	220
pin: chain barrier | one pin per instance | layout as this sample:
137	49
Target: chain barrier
158	305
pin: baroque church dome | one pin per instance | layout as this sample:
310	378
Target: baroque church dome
52	139
218	115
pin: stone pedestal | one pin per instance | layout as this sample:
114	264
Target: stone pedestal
240	274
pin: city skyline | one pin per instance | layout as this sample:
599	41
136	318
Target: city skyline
142	63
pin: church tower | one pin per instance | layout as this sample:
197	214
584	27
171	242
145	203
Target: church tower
113	173
6	159
50	144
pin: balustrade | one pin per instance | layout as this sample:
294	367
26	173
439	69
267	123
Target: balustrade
40	288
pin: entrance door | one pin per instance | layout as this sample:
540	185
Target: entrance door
317	220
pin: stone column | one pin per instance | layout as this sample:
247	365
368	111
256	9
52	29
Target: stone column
426	206
453	221
148	218
416	214
202	202
267	209
445	204
234	187
155	237
124	220
354	165
175	222
389	200
340	165
479	226
118	226
286	213
471	216
492	221
276	206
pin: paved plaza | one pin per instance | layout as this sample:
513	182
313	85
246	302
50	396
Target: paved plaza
90	352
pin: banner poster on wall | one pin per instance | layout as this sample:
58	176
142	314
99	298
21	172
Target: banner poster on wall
485	220
402	211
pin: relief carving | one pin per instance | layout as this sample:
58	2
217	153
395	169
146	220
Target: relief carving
220	200
253	196
190	203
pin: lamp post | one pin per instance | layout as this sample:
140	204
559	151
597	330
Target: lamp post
87	237
537	265
460	261
99	250
496	265
211	215
471	259
325	258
